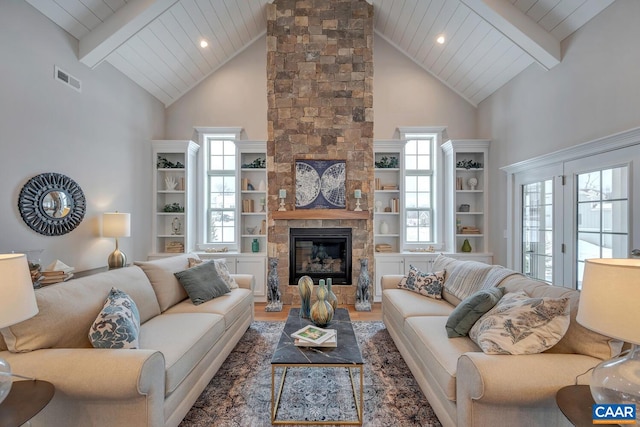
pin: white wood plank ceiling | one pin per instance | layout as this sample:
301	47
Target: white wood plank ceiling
156	43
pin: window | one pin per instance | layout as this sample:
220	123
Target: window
418	190
220	191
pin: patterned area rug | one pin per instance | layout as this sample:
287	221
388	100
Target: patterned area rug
240	393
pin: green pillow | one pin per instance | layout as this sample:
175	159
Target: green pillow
470	309
202	282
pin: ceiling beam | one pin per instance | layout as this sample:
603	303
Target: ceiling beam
118	28
520	29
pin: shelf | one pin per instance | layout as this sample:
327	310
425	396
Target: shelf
386	191
469	170
469	213
170	191
170	213
469	235
255	236
175	236
253	191
320	214
386	235
170	169
469	191
253	213
386	169
386	213
253	169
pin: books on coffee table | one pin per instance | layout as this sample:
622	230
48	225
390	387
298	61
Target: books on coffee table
332	341
314	335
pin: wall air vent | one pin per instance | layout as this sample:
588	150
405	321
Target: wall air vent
66	78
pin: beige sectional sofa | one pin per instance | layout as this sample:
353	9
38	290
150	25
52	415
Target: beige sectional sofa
181	347
467	387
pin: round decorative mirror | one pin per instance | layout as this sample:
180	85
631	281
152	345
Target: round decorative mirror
52	204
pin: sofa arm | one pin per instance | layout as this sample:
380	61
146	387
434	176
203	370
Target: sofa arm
390	281
246	281
518	380
90	374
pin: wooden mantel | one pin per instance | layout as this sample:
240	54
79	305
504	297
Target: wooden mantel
320	214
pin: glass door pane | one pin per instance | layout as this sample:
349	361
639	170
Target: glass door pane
602	221
537	230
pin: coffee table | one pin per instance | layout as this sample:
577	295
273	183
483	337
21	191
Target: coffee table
345	355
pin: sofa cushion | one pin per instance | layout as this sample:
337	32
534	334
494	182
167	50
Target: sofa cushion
520	324
465	315
184	339
577	339
231	306
427	284
221	268
202	282
67	310
400	304
117	324
437	352
166	286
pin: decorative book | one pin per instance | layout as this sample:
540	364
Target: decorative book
332	341
313	334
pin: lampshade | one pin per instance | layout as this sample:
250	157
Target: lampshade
609	298
116	224
17	298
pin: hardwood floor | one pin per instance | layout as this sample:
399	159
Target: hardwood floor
260	314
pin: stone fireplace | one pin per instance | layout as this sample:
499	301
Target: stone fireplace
320	106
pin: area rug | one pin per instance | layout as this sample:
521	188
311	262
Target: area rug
240	393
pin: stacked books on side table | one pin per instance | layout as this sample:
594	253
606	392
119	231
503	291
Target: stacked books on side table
56	272
312	336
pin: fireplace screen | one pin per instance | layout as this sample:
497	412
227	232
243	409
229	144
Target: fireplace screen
320	253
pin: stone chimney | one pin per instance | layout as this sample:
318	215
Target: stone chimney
320	106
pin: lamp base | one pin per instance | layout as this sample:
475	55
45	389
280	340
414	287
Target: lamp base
5	379
117	259
617	380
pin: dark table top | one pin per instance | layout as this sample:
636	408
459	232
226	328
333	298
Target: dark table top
347	352
575	402
24	401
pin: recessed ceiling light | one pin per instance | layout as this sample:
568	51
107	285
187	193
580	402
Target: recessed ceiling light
440	39
204	43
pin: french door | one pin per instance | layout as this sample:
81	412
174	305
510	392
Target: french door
601	195
574	210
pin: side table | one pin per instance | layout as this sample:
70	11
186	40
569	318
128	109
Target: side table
24	401
575	402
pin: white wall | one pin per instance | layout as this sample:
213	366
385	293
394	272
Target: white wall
99	138
404	94
594	92
236	95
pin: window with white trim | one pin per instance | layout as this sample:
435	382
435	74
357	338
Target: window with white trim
418	190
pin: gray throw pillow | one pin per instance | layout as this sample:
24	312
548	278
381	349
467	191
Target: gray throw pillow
202	282
470	309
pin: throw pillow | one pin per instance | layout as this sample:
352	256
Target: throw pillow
117	324
202	282
221	268
465	315
520	324
428	284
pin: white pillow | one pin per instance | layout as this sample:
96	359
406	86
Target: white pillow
519	324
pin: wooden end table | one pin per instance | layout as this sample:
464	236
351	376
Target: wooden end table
575	402
24	401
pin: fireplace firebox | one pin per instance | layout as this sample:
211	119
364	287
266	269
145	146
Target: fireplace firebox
320	253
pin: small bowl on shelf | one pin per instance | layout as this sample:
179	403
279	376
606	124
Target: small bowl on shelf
252	230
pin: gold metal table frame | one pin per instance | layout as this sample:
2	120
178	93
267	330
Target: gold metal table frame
275	399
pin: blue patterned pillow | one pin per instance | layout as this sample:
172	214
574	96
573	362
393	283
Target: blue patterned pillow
428	284
118	324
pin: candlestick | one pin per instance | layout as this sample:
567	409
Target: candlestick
357	194
282	193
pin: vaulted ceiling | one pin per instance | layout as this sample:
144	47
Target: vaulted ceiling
156	43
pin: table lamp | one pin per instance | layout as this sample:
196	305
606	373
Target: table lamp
17	303
116	224
609	306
